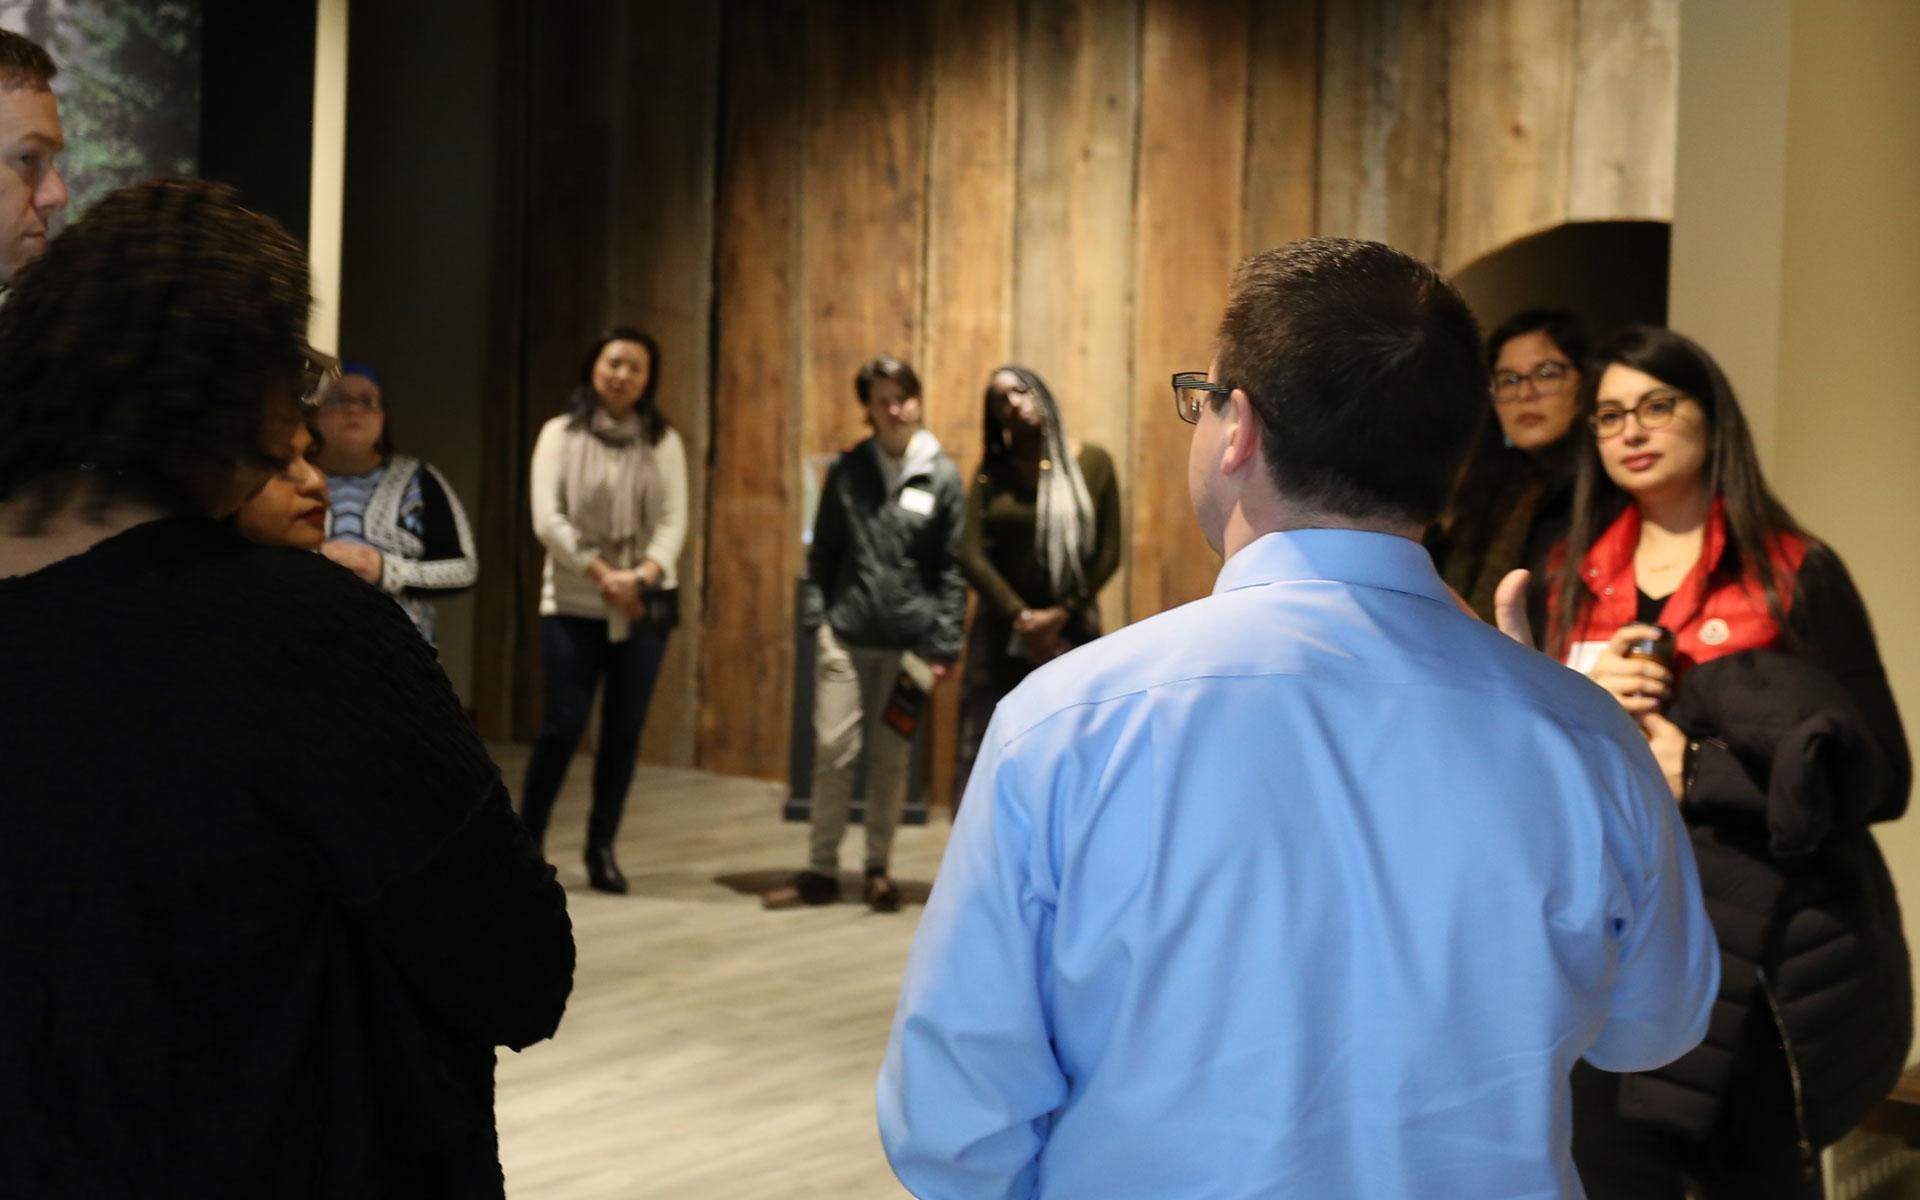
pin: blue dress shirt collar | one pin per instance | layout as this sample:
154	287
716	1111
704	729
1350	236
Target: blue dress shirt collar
1376	560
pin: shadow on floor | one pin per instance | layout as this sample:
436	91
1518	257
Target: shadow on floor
759	883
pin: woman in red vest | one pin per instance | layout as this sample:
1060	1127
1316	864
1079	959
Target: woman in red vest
1739	644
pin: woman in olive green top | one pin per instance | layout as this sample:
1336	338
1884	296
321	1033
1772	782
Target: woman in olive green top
1042	537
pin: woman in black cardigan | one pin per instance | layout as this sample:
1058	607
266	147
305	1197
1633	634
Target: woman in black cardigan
268	911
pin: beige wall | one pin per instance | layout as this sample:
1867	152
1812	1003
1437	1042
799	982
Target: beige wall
1797	261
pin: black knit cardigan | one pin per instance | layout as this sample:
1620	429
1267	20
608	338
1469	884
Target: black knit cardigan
265	911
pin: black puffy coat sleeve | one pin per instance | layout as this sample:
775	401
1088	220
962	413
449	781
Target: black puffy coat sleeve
1834	632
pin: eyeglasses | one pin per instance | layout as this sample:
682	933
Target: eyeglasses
337	398
1654	410
317	370
1191	389
1548	378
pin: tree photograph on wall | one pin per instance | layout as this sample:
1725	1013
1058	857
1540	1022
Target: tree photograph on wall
129	87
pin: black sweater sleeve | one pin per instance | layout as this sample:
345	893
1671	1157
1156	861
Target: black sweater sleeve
480	930
1831	625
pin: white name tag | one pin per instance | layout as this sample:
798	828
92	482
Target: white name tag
1584	654
917	501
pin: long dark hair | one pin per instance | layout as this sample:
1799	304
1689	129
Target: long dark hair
1063	518
584	399
1755	519
1492	468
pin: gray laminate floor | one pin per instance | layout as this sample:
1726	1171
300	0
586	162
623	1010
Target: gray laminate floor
711	1049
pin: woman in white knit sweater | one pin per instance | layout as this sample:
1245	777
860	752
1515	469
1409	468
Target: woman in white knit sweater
609	496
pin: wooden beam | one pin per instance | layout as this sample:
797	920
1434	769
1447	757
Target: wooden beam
1626	110
1073	265
660	265
864	202
1283	114
1510	75
1193	136
971	169
1383	126
753	548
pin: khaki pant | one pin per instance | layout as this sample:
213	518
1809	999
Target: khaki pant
851	687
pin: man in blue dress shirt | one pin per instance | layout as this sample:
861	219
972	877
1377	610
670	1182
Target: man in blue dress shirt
1315	887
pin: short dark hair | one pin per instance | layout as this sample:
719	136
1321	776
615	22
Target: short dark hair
1364	367
141	347
583	399
24	66
885	366
1562	328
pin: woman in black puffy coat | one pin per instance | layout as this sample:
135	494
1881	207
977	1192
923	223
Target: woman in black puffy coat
1773	721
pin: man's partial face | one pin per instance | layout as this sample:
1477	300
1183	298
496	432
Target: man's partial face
1205	485
895	415
31	189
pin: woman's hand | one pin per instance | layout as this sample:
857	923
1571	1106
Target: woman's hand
362	560
1669	746
1039	630
650	573
1041	620
622	591
1639	684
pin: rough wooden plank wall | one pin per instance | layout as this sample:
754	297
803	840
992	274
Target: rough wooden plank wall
1283	114
1193	138
660	257
1383	123
972	152
863	213
1064	183
1073	260
1510	75
753	547
562	223
1626	109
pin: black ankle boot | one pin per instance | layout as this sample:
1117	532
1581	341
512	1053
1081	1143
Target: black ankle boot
603	874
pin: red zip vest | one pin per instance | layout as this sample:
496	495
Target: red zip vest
1715	611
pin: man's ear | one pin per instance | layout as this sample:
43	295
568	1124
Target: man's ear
1243	433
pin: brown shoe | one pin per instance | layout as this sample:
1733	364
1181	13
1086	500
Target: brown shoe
809	888
882	895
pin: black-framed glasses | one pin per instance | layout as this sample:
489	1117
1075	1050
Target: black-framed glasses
1191	389
1548	379
1654	410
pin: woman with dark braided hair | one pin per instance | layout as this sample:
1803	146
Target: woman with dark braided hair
268	908
1042	538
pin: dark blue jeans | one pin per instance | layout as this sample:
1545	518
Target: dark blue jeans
576	654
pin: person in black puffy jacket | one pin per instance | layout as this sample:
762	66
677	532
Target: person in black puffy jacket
1774	723
884	571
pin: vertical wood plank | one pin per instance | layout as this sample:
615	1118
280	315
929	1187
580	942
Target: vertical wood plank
1383	127
545	311
1510	77
1073	270
1626	108
970	190
1283	114
864	200
753	548
1193	121
499	597
661	279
